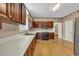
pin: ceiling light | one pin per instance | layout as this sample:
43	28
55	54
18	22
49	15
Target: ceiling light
55	6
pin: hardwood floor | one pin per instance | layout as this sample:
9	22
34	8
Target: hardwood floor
51	48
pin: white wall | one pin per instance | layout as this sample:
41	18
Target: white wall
59	25
68	27
22	27
69	30
60	30
8	30
68	33
42	19
9	27
47	19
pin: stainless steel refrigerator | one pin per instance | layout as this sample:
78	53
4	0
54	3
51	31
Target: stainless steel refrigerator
76	37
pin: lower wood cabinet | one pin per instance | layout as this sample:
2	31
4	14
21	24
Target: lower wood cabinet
40	35
31	48
51	35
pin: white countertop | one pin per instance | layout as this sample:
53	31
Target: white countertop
15	45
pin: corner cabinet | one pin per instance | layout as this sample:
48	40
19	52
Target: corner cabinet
16	12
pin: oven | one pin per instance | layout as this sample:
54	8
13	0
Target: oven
45	36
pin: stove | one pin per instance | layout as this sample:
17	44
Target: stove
45	36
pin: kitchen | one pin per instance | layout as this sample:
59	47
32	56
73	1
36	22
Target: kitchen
27	31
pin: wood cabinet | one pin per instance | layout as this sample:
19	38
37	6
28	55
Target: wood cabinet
50	24
51	35
0	25
35	24
23	14
31	48
41	24
39	35
3	7
16	12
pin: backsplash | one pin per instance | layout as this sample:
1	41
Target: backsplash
8	30
9	27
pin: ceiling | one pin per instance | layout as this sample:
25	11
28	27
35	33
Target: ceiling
43	9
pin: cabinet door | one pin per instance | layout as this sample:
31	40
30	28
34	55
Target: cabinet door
23	14
3	8
16	12
51	35
9	9
0	25
28	52
39	35
50	24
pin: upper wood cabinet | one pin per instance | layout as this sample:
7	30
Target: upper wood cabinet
3	8
15	11
23	14
0	25
50	24
41	24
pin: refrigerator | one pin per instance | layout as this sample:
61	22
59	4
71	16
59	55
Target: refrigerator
76	37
